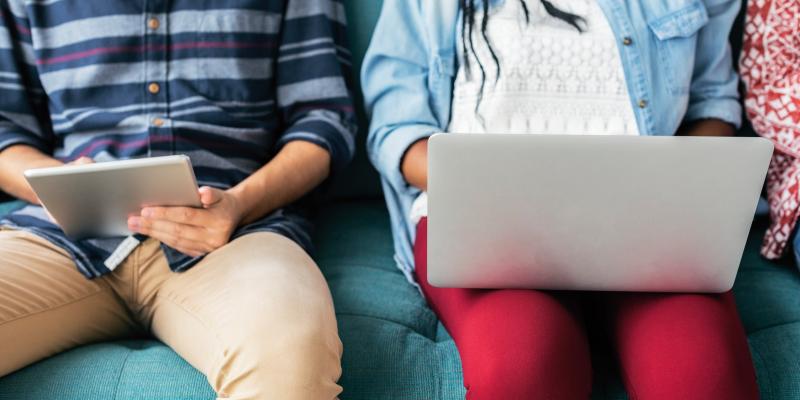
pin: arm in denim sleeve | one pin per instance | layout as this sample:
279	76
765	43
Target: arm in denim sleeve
714	91
24	119
313	84
394	79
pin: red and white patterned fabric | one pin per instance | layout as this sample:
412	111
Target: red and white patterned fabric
770	68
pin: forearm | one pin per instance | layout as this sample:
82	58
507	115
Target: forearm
415	164
297	169
13	163
707	127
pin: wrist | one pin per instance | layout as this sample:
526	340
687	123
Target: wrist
245	203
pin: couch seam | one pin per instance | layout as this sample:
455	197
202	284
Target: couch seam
757	354
432	339
778	325
347	262
121	371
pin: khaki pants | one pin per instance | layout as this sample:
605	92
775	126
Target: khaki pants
256	316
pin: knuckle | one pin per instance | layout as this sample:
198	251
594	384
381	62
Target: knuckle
180	245
177	230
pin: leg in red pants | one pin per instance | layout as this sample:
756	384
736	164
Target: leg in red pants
681	346
514	344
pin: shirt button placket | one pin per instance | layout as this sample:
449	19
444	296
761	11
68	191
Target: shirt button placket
160	132
639	91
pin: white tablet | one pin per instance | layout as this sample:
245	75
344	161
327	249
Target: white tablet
95	200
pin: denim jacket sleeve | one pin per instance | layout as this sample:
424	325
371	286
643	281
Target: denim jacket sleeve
714	90
395	79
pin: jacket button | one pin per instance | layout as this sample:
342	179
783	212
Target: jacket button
627	41
642	103
153	88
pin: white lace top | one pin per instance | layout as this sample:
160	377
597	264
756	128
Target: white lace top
553	79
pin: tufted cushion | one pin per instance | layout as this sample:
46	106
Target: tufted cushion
393	346
128	370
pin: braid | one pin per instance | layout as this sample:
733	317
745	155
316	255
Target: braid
466	7
468	26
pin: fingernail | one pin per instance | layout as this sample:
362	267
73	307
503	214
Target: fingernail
134	222
146	212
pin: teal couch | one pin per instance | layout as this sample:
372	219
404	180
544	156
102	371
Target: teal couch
394	346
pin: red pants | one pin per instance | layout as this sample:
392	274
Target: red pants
528	344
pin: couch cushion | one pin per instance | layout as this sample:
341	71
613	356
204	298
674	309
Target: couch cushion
6	208
128	370
393	346
768	294
776	351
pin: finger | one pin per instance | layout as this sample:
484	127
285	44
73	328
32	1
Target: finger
210	196
186	246
173	229
182	215
83	161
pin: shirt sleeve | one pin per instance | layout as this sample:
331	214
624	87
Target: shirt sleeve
313	86
714	93
395	79
771	74
23	104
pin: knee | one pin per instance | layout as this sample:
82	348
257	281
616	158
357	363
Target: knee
539	352
695	381
721	373
529	380
298	359
553	370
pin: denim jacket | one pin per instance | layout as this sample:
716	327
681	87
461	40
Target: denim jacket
675	54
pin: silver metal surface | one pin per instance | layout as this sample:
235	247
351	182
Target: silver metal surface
95	200
615	213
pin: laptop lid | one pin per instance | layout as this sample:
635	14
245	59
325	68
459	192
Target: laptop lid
607	213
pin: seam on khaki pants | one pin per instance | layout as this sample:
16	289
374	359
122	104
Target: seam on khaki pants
135	268
220	346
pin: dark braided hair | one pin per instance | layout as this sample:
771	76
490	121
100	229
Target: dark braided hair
468	26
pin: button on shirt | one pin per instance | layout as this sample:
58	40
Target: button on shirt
225	83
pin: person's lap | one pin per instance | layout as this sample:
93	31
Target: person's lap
255	316
47	306
669	345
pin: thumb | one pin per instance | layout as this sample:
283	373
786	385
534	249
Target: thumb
83	161
210	196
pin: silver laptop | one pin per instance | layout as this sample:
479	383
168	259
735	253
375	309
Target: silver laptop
606	213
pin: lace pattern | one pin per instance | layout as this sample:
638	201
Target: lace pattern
553	79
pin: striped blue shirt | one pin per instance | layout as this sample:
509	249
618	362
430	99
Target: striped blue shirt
225	82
